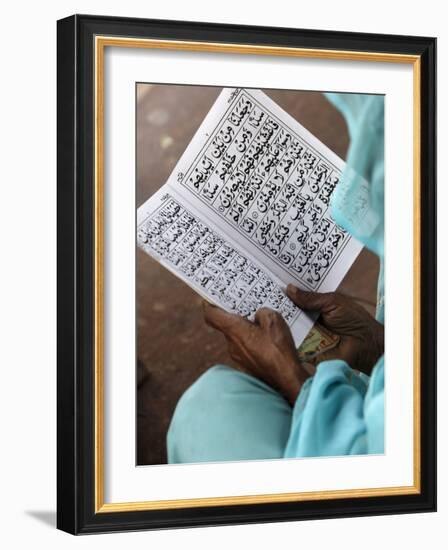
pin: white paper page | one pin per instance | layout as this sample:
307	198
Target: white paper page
266	182
184	242
260	181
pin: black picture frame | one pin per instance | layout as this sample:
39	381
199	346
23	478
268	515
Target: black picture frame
76	264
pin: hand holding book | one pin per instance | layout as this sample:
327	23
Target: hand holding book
247	212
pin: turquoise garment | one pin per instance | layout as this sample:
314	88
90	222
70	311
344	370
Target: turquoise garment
357	203
338	412
229	415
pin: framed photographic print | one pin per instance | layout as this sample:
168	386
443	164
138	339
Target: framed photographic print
246	274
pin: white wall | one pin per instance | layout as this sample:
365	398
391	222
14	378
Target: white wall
27	272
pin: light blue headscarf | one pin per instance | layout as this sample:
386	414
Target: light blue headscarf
358	201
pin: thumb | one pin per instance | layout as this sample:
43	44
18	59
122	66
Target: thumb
220	319
312	301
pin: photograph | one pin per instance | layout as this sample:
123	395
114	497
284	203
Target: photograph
246	269
259	279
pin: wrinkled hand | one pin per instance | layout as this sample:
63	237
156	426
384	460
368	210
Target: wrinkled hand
265	347
361	337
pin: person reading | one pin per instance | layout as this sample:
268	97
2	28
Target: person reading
272	407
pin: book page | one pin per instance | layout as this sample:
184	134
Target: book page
267	182
188	246
246	211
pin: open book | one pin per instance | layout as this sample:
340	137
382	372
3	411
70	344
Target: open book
246	211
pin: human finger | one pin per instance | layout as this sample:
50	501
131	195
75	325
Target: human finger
311	301
222	320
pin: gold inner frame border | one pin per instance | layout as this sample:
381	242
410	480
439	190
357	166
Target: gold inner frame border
100	43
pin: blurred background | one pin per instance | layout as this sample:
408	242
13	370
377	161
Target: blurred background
174	346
